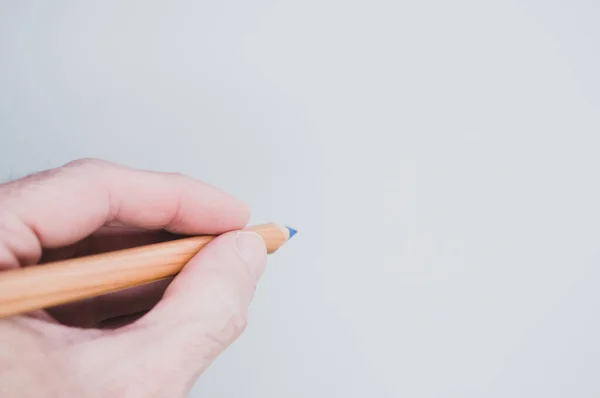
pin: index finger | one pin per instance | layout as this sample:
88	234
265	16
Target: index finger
64	205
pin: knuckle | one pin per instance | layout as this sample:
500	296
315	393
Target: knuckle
177	175
229	316
237	323
86	163
218	340
233	319
177	178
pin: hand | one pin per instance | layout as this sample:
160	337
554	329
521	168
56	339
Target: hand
148	341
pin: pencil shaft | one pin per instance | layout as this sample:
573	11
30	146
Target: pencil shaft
36	287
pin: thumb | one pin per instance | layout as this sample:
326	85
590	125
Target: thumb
202	311
217	284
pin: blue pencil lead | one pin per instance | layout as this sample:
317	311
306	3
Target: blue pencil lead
292	231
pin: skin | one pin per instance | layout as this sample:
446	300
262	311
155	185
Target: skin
149	341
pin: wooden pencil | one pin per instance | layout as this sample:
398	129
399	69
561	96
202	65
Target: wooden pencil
37	287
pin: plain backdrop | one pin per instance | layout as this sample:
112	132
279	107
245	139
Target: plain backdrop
439	158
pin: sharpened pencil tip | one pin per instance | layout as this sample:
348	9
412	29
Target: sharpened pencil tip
292	231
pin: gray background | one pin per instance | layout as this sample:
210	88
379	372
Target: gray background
440	159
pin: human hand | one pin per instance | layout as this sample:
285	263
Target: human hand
148	341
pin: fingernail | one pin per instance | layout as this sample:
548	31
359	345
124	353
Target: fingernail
251	248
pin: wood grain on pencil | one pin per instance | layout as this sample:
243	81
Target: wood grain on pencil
36	287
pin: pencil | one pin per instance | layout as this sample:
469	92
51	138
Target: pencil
37	287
